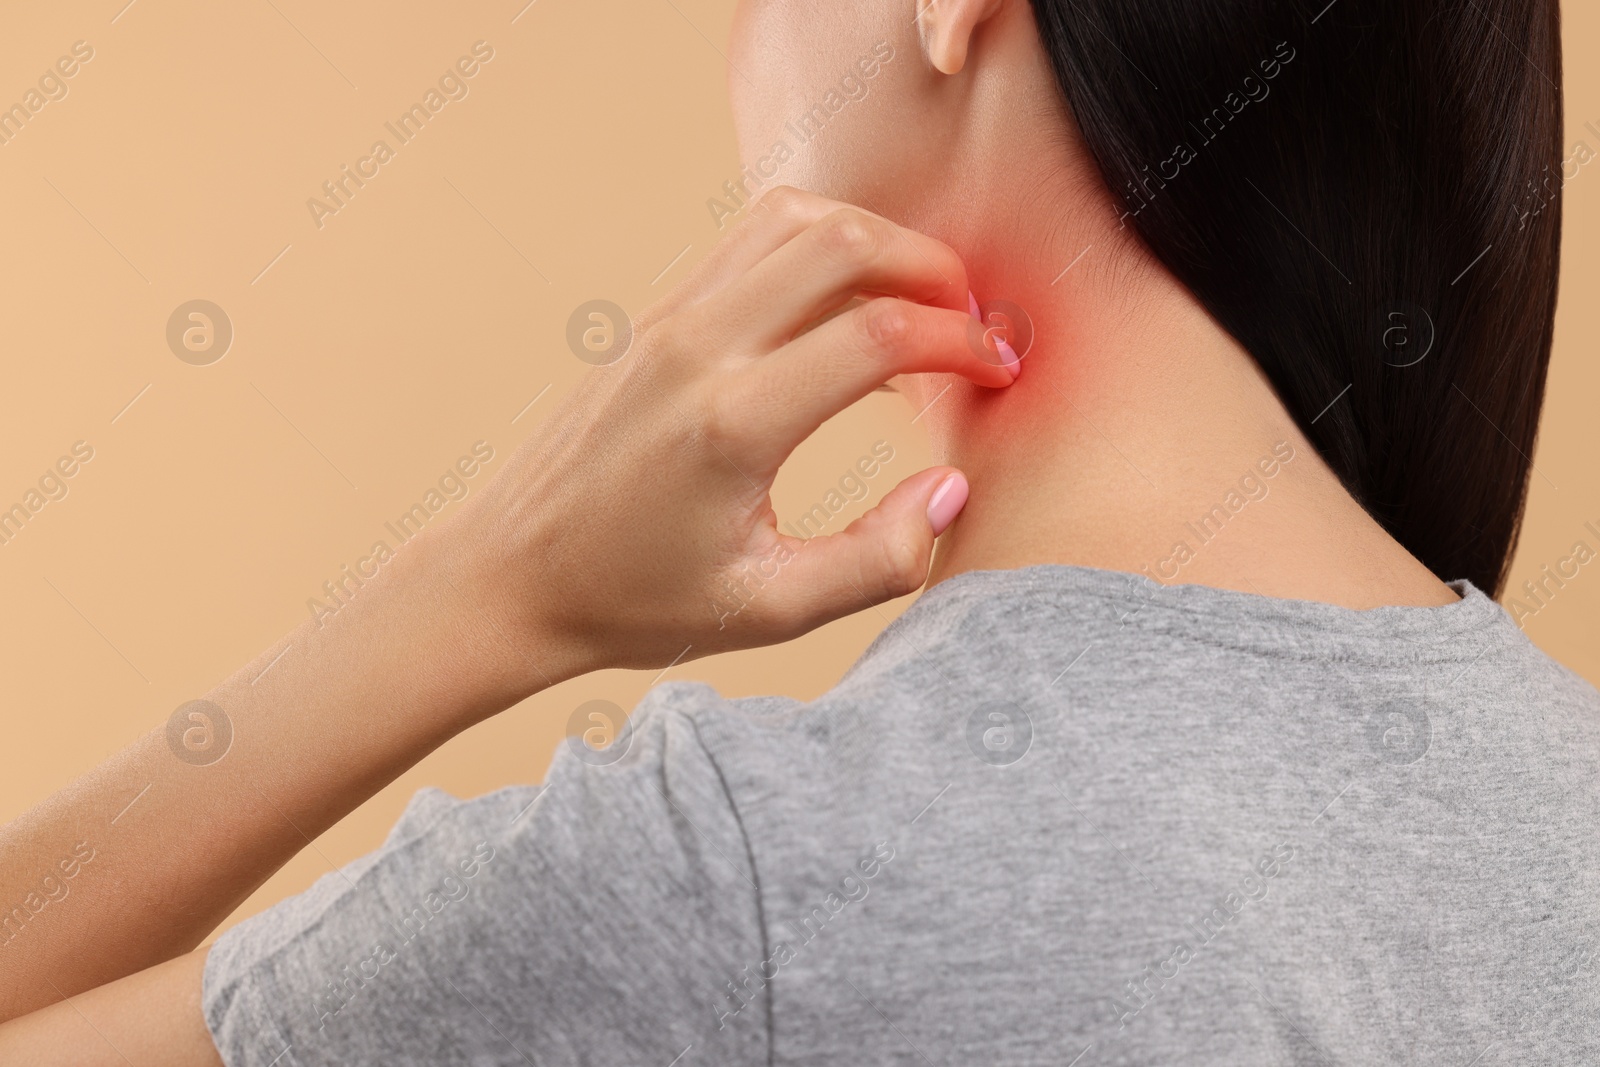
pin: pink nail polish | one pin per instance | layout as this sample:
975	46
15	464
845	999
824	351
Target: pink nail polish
1008	355
1008	358
947	502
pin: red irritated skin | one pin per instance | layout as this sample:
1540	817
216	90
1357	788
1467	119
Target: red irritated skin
1137	410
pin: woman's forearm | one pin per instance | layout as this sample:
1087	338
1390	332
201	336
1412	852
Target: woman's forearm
137	862
562	564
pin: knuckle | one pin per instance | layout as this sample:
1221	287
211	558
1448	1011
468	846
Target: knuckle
888	326
784	201
903	569
849	235
721	418
664	338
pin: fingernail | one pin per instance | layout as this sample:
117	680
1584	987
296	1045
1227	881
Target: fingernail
1009	358
1008	355
947	502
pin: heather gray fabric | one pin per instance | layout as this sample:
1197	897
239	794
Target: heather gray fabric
1053	816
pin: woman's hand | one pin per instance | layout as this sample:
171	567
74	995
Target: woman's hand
602	543
636	527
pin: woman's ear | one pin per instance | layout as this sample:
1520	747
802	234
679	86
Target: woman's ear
947	27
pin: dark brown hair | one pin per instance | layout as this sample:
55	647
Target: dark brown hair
1347	187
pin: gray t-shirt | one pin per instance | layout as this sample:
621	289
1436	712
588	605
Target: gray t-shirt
1052	816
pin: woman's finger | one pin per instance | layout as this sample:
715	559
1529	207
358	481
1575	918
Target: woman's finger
777	402
882	555
772	221
848	251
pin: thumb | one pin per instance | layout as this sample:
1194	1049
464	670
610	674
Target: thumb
882	555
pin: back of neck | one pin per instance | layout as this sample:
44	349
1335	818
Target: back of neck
1141	437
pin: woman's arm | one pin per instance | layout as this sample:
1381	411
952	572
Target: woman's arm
607	540
149	1019
349	706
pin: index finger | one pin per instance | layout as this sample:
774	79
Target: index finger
781	214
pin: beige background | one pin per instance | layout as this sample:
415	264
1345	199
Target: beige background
422	317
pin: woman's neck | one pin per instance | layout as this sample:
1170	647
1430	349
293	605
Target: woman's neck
1141	437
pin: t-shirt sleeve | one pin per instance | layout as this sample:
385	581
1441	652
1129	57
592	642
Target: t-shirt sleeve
600	919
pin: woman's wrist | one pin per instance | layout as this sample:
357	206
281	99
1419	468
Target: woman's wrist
487	633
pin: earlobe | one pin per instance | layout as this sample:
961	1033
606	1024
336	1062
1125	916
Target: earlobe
947	27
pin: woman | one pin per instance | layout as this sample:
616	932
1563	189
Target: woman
1188	752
